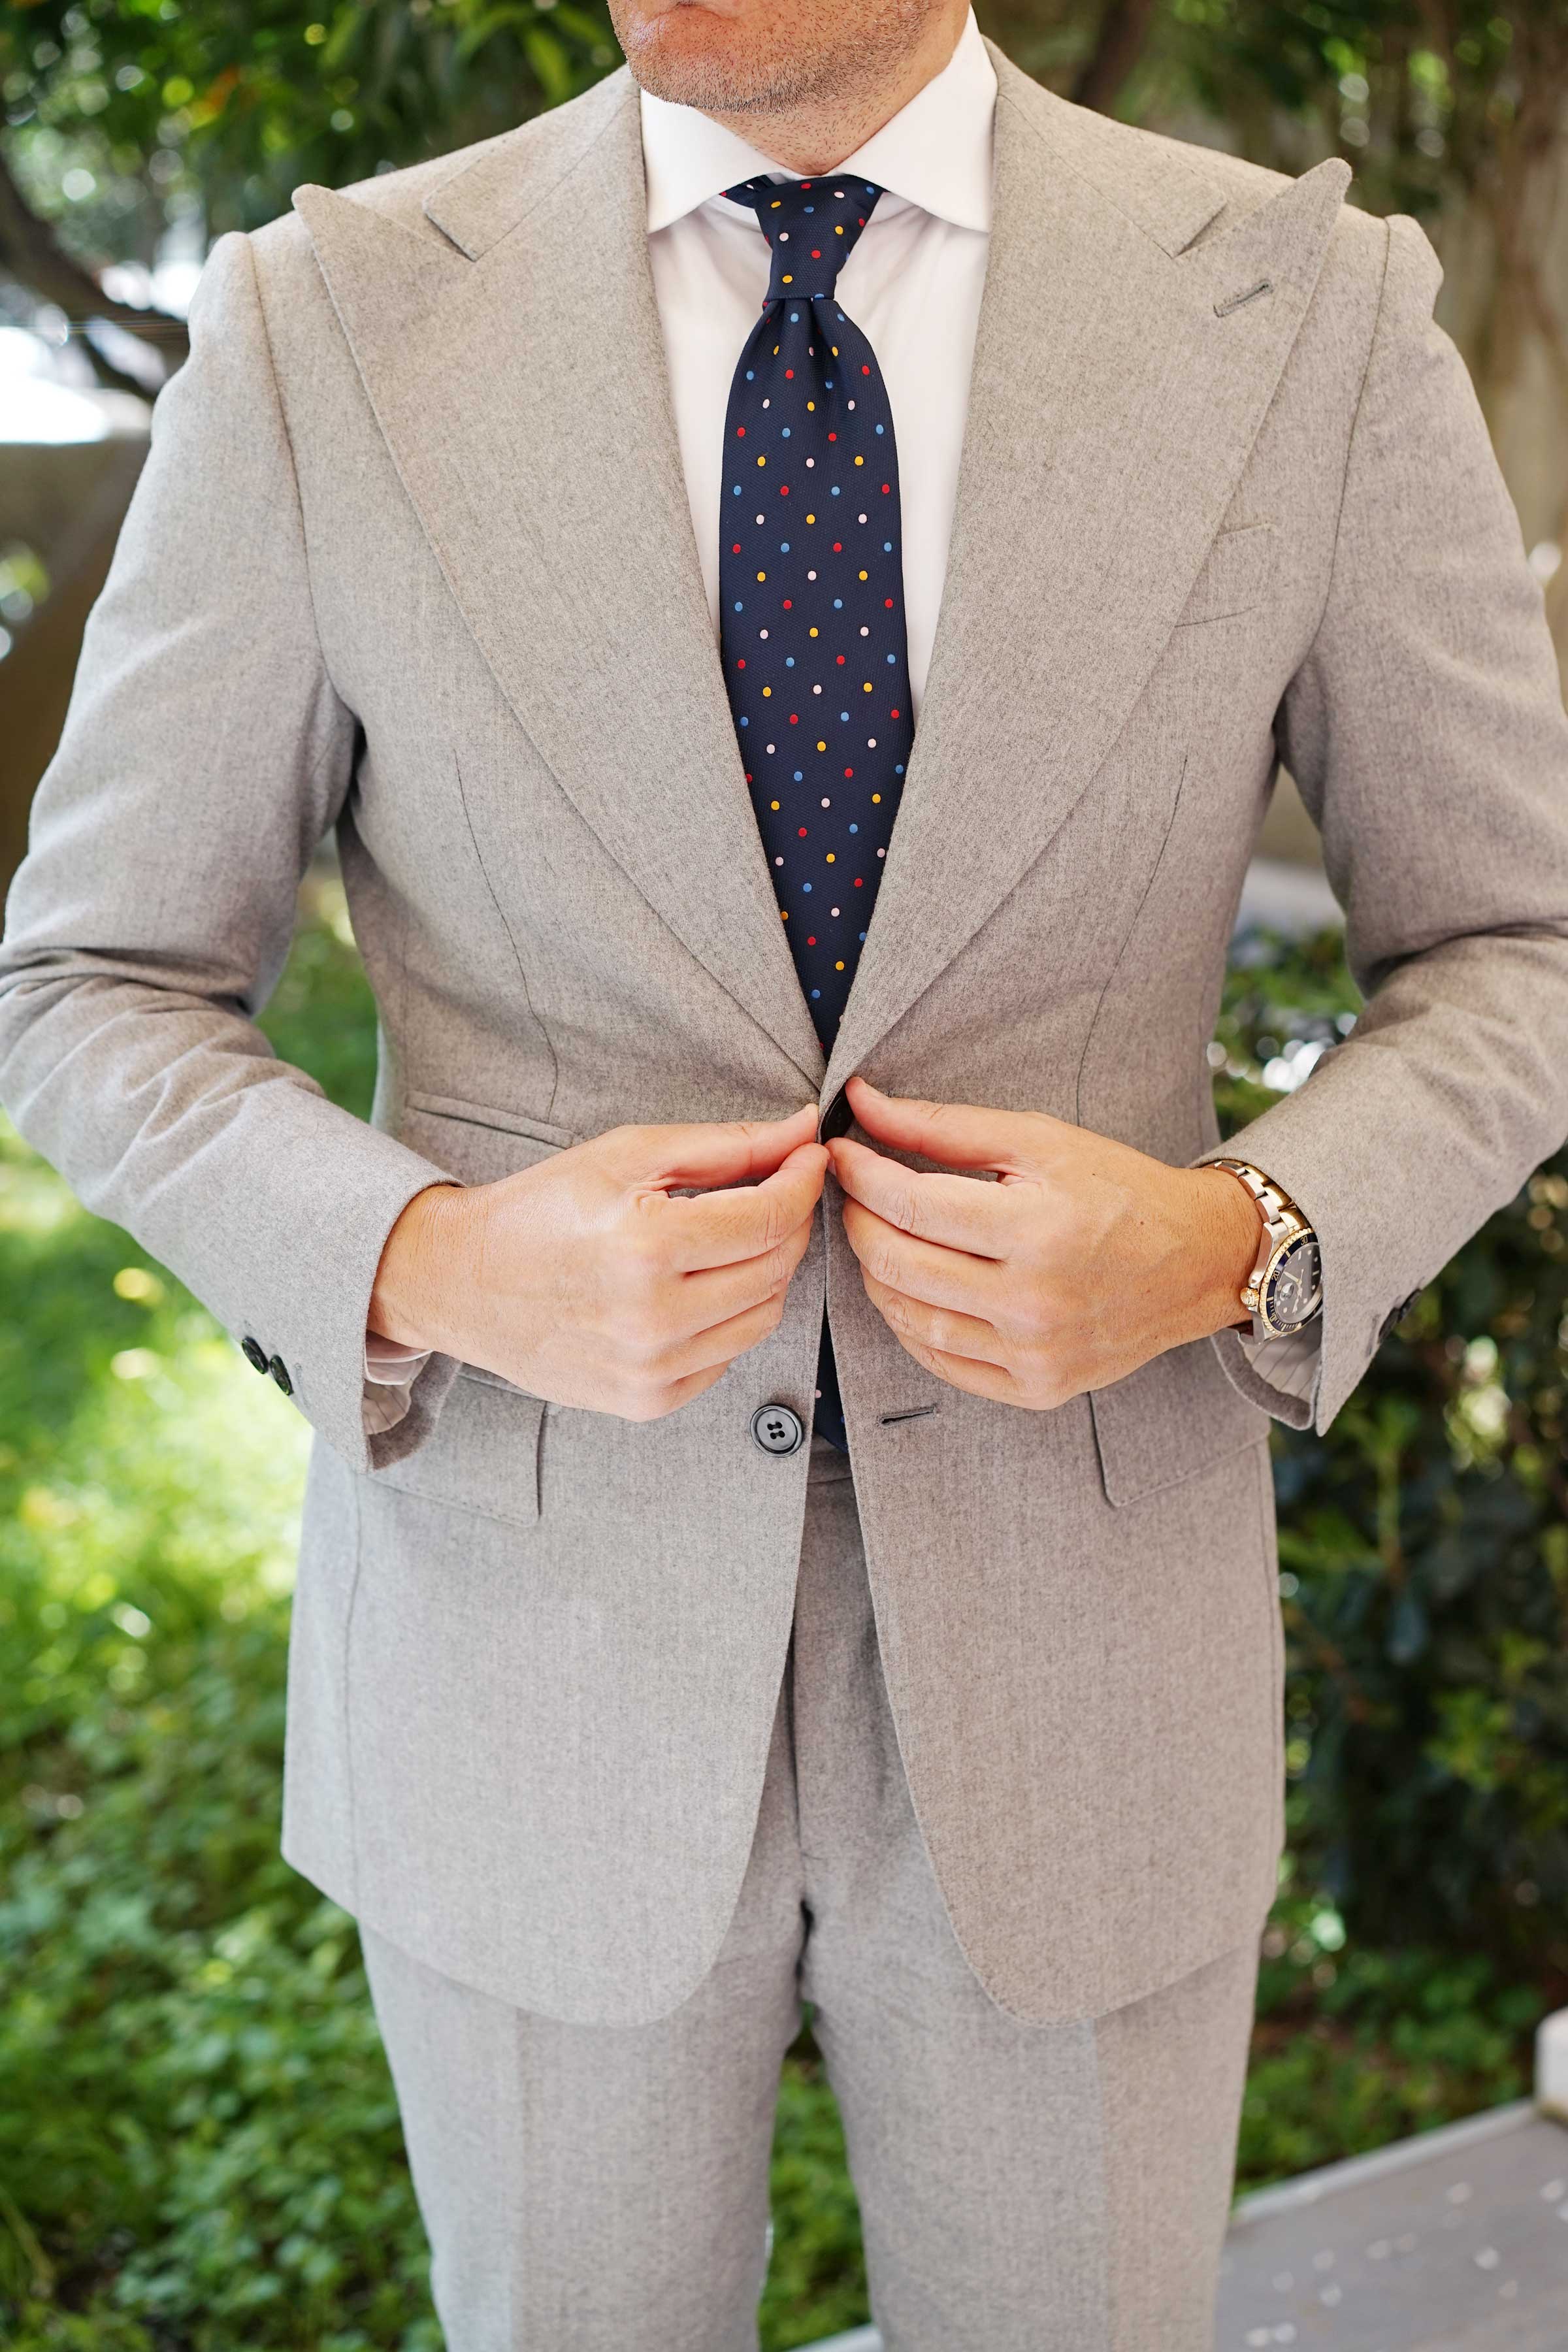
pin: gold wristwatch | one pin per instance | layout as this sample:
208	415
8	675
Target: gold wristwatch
1285	1288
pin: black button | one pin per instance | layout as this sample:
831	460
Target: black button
1396	1314
837	1118
254	1354
279	1372
777	1429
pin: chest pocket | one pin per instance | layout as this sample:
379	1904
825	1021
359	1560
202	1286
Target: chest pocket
1238	574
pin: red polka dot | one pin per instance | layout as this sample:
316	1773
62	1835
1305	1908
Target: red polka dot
811	940
886	487
788	603
865	370
857	881
839	547
794	719
849	772
887	600
740	664
783	489
789	373
892	714
840	661
833	436
814	254
803	833
739	432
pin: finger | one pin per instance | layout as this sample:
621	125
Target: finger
960	1135
716	1228
712	1151
938	1329
963	1372
723	1342
957	1210
709	1292
942	1278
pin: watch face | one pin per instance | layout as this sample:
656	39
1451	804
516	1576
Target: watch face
1293	1287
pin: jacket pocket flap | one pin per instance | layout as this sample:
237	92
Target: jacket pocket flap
1168	1419
482	1454
1236	576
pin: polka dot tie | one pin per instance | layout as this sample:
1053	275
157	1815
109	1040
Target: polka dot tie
811	594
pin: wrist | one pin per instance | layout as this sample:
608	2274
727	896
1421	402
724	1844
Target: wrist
1229	1230
414	1280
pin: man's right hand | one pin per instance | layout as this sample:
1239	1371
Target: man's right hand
589	1280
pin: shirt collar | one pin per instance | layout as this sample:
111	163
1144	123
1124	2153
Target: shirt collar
935	151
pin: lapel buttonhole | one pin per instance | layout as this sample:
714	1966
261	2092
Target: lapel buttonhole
1235	301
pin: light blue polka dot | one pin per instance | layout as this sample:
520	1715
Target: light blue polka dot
899	770
854	828
795	314
828	381
815	992
892	657
844	714
838	603
736	492
805	885
745	722
879	428
887	547
783	547
751	375
786	432
799	776
739	608
789	661
862	935
835	490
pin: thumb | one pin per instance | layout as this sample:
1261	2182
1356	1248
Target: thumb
959	1135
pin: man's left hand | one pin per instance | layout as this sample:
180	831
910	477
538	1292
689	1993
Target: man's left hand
1082	1260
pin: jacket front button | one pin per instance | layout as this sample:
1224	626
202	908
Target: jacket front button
835	1120
777	1429
279	1372
254	1354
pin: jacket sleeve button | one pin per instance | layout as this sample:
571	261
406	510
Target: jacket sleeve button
254	1354
279	1372
777	1429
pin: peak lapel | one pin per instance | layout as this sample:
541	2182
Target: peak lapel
1111	410
518	375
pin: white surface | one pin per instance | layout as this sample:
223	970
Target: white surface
1552	2065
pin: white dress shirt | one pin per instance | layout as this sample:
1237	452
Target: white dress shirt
912	285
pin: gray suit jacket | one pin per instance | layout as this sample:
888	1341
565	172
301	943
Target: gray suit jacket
412	557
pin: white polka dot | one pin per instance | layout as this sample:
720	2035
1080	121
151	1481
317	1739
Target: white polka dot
871	742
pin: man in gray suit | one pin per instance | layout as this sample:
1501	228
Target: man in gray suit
656	1663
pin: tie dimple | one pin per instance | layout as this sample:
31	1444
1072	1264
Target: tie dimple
812	596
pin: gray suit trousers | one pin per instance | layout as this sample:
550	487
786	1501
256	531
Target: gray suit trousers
1023	2187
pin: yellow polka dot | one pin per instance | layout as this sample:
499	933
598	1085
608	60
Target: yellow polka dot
788	279
862	576
813	633
772	804
761	461
876	796
839	232
762	575
811	518
767	689
864	689
830	857
859	461
810	405
821	747
840	965
835	350
776	203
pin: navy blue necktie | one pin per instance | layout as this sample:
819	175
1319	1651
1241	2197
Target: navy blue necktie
811	592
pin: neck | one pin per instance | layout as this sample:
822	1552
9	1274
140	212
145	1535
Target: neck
813	135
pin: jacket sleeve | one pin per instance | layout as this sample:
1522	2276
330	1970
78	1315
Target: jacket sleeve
1427	732
205	754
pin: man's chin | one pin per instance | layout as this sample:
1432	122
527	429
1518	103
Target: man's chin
695	57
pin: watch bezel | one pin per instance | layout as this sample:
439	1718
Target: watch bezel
1260	1282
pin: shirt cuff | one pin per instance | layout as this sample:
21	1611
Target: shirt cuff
1289	1363
390	1372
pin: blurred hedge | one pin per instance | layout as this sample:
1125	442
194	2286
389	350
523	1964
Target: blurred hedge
199	2148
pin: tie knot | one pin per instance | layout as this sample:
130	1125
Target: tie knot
811	226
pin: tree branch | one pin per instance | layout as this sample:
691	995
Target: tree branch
32	254
1118	45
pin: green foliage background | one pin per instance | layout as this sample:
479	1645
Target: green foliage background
199	2148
